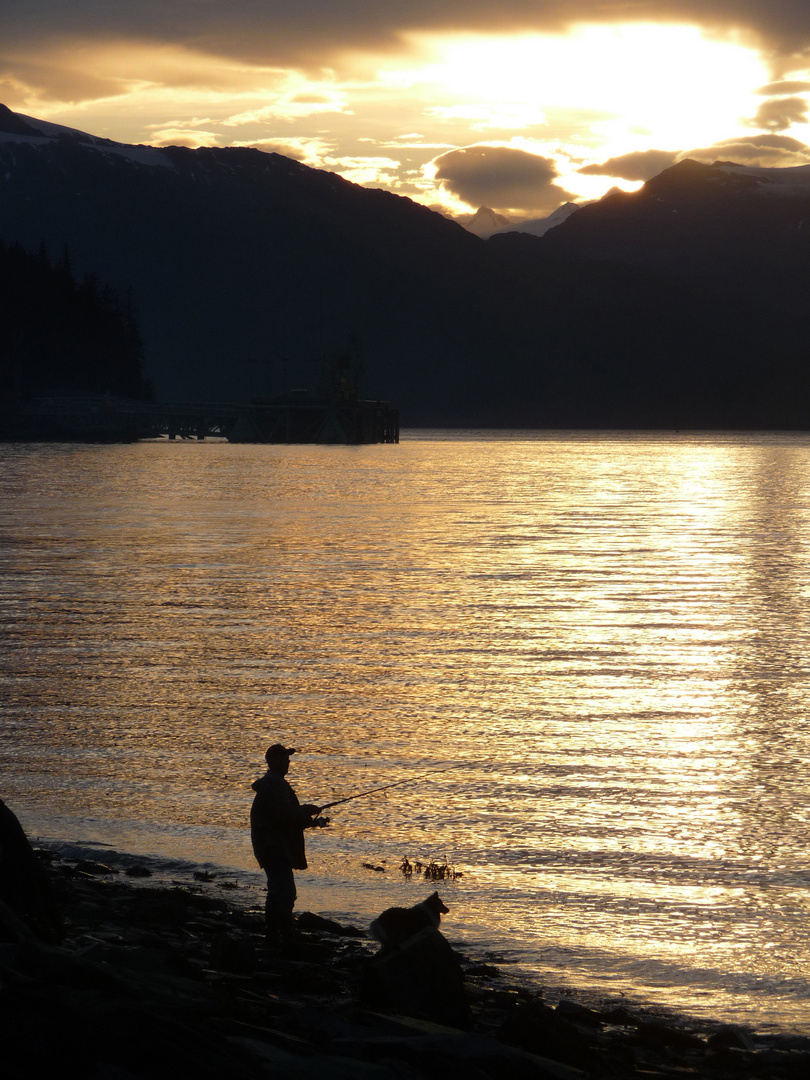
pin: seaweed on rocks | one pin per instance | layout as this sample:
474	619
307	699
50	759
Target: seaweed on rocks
431	871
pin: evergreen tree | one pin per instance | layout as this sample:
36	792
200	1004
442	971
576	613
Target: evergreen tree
61	336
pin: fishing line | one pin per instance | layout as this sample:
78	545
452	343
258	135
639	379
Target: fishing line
387	787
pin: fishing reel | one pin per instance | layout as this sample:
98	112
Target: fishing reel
320	822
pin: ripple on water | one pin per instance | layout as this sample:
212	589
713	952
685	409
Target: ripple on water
605	635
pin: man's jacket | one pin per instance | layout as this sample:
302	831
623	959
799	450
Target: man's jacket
277	823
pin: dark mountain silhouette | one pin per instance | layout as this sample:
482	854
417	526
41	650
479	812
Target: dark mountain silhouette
722	226
12	124
708	268
244	268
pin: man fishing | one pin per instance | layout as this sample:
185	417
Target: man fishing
277	824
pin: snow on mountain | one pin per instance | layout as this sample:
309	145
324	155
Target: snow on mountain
730	227
19	128
785	182
540	226
679	305
791	181
484	222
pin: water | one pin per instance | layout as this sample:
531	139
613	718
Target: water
601	639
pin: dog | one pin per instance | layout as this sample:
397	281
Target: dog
397	924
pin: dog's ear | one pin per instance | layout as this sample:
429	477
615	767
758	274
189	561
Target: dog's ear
440	905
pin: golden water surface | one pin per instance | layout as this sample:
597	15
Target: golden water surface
601	640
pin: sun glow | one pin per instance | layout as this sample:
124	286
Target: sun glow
668	83
575	99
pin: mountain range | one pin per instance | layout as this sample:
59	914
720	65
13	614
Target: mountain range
679	305
485	222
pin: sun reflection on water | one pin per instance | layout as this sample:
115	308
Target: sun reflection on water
603	640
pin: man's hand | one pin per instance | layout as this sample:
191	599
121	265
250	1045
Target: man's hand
310	809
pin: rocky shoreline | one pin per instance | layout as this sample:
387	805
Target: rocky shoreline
152	980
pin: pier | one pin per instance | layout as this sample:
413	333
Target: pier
295	418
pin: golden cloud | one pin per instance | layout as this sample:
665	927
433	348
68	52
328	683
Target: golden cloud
311	32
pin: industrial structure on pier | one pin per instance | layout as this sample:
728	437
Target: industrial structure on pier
334	413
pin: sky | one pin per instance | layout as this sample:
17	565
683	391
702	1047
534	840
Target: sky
519	105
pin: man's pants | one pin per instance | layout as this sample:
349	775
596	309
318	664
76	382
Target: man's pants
281	895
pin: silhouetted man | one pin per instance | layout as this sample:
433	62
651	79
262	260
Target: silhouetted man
277	823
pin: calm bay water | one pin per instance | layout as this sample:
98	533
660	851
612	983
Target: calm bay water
602	640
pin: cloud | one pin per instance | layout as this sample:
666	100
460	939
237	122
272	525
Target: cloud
289	105
784	87
316	69
771	151
480	115
500	177
314	152
183	135
641	165
309	32
56	79
781	113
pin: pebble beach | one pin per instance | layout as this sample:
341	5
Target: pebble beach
154	979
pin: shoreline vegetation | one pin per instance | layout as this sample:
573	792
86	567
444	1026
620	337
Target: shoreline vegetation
123	977
63	336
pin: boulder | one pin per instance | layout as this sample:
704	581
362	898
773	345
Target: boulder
317	924
25	888
421	977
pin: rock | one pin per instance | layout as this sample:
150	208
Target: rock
25	888
579	1014
86	866
12	927
281	1063
234	954
319	925
138	871
730	1037
61	1016
780	1064
620	1017
535	1027
132	994
298	975
447	1054
170	907
652	1032
421	977
483	971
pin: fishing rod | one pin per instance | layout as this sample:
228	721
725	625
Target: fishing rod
387	787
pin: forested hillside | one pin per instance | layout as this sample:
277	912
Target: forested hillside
60	335
680	305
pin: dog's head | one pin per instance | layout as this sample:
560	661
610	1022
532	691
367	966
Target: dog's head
434	902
